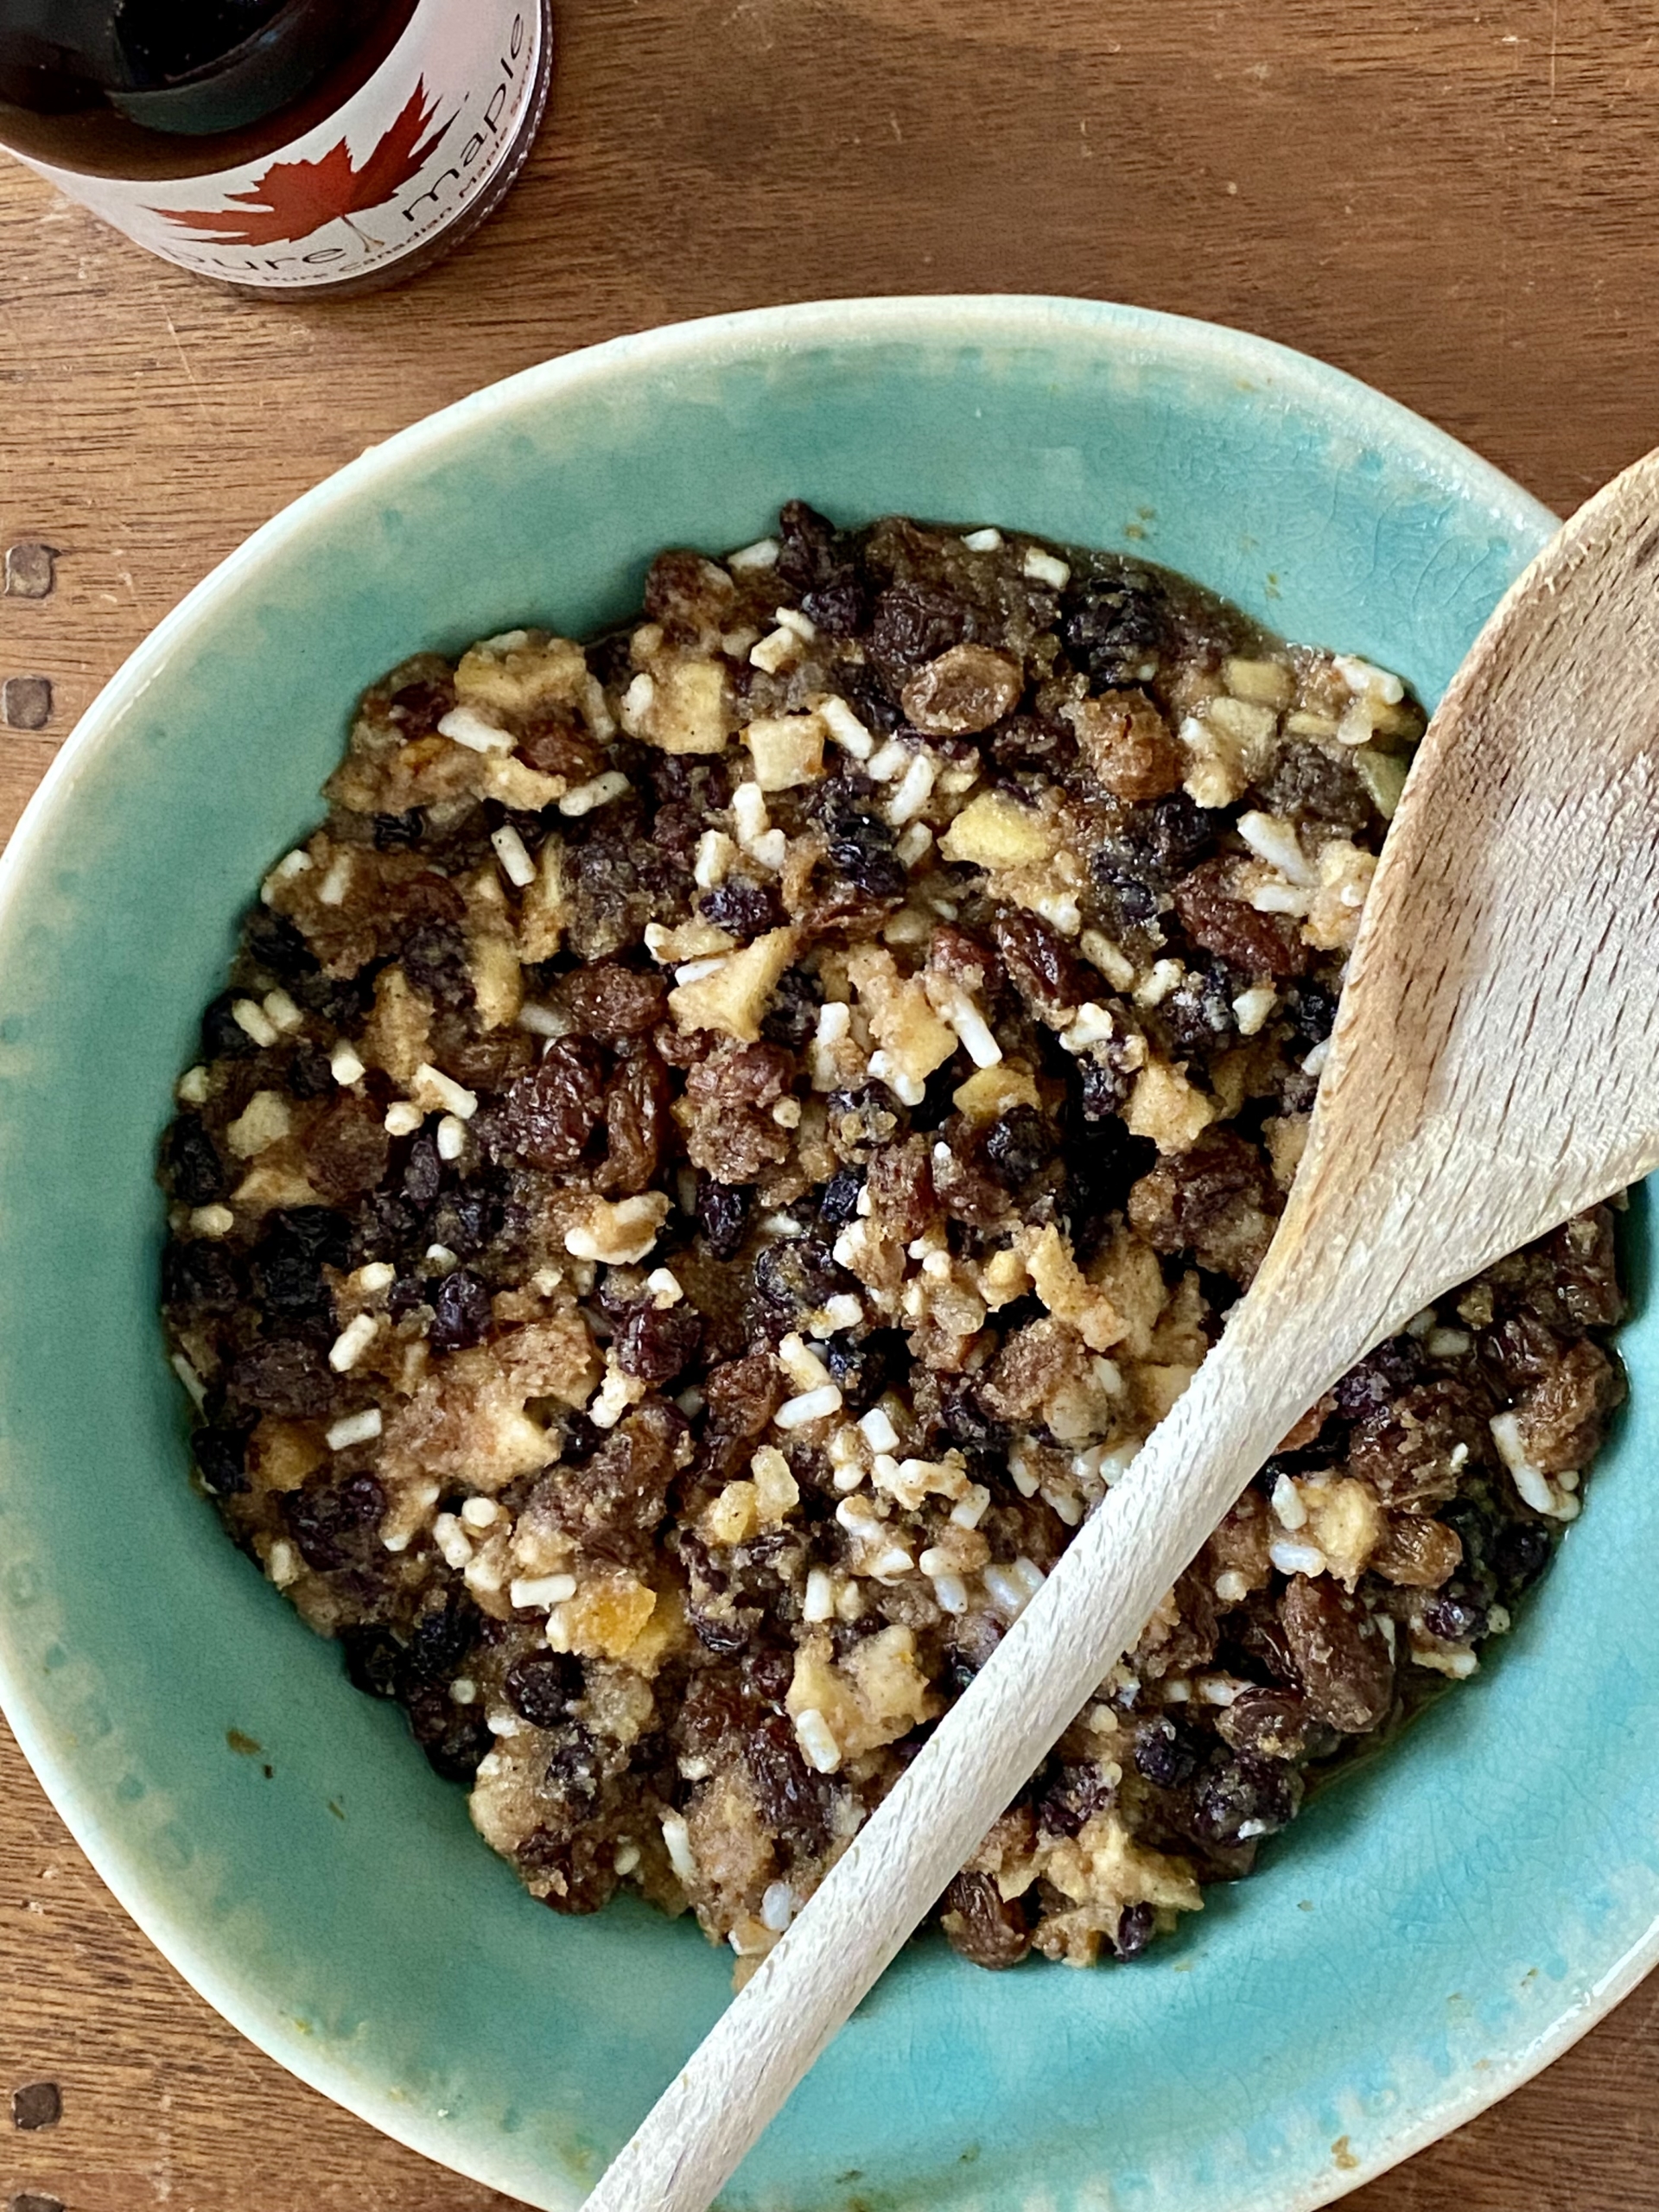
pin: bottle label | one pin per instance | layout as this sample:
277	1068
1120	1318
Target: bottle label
397	164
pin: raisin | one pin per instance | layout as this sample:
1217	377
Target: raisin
959	1182
423	1170
792	1016
743	1394
1381	1377
1042	965
432	954
1456	1616
1166	1754
1473	1526
287	1261
1019	1145
461	1311
985	1442
963	691
574	1769
274	942
860	845
1269	1723
332	1521
1157	842
467	1218
638	1123
1561	1417
1102	1161
838	1201
1214	1201
553	740
722	1212
286	1377
809	547
202	1274
689	596
1240	1797
1116	628
422	702
393	831
840	605
1417	1554
1346	1667
1072	1795
1419	1447
542	1687
730	1130
868	697
770	1672
1104	1089
795	1277
549	1115
913	622
1197	1014
1311	1012
613	1505
374	1660
1308	784
440	1637
1582	1258
744	910
1521	1555
862	1370
790	1797
609	1000
655	1343
221	1457
1259	1636
983	1926
191	1165
1137	1925
453	1736
309	1074
578	1870
1254	943
714	1711
223	1037
340	1001
859	1121
347	1151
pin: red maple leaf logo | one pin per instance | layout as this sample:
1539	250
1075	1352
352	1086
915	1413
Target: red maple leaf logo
294	199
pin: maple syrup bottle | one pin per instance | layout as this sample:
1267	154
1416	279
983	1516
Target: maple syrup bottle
308	147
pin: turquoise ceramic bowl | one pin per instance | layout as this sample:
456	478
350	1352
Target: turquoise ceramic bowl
1432	1933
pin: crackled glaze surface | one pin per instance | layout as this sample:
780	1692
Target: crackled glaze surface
1433	1929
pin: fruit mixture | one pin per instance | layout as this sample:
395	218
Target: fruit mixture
724	1142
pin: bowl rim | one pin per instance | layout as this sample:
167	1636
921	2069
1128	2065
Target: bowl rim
747	334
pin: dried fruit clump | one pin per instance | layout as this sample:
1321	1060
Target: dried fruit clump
721	1145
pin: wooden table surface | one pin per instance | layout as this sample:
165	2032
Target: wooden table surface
1457	202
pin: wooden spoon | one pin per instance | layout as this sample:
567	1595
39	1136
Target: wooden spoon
1494	1069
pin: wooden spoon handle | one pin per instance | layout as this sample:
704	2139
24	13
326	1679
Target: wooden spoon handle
1092	1608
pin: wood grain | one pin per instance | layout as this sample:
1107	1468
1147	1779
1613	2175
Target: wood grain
1456	202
